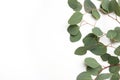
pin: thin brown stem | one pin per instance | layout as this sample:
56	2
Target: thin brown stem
114	18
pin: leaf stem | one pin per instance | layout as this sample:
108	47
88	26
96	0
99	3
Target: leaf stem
114	18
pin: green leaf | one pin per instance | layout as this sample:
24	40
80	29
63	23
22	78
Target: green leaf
97	31
75	5
105	5
84	76
114	69
95	14
115	7
80	51
105	57
111	7
99	49
111	34
90	40
113	60
119	2
89	6
91	62
74	38
115	76
103	76
94	71
75	18
117	38
117	51
73	29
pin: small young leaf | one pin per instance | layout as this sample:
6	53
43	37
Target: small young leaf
75	18
75	5
105	57
113	60
80	51
84	76
74	38
73	29
89	6
95	14
111	34
91	62
97	31
117	51
114	69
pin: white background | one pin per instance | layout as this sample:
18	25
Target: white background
34	43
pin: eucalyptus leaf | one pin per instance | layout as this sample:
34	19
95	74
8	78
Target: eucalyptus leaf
97	31
73	29
105	5
115	76
75	5
89	6
84	76
111	34
105	57
117	51
80	51
95	14
91	62
99	49
75	18
115	7
114	69
103	76
94	71
113	60
75	38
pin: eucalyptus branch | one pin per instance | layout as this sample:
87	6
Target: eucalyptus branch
92	41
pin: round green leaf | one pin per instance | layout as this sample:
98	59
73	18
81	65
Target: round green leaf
115	7
88	6
114	69
80	51
111	34
84	76
75	5
95	14
90	40
99	49
91	62
105	57
117	51
97	31
113	60
117	37
74	38
73	29
105	5
75	18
